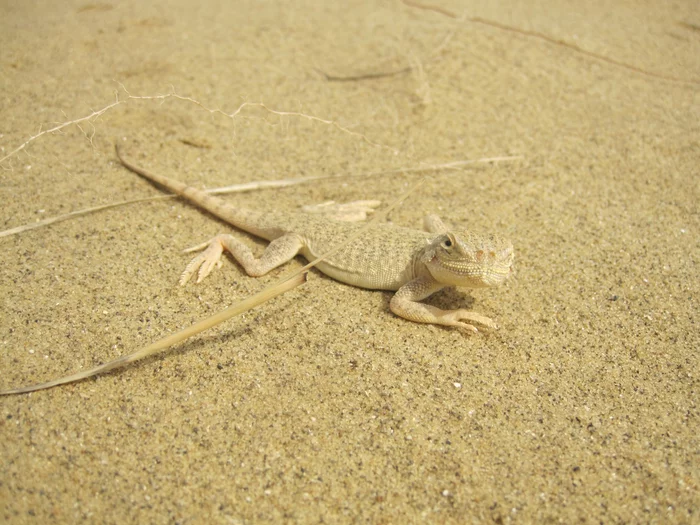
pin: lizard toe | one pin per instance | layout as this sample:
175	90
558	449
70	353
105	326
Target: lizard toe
196	248
203	263
465	318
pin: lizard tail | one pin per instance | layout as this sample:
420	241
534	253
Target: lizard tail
244	219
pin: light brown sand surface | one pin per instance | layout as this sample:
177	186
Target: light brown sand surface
322	406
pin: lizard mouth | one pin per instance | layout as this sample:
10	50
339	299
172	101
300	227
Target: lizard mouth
474	266
475	274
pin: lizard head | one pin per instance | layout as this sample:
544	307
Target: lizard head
468	259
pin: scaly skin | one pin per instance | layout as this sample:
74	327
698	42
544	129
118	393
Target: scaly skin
386	257
413	263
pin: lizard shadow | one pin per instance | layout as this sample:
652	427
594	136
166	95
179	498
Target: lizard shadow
218	341
447	299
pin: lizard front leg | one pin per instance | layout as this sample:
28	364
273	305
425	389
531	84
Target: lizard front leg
405	303
279	251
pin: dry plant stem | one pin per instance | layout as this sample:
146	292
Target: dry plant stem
247	304
172	95
365	76
73	214
285	284
427	7
59	127
255	185
385	74
550	40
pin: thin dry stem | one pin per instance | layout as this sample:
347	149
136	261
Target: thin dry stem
286	283
90	118
256	185
550	40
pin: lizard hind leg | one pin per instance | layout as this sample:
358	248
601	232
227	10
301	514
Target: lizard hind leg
354	211
278	252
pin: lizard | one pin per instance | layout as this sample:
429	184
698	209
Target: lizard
413	263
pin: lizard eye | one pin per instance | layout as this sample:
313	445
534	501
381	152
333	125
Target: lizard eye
447	243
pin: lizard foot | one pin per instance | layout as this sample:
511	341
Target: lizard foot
347	212
464	318
204	263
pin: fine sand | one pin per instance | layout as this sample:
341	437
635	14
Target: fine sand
321	406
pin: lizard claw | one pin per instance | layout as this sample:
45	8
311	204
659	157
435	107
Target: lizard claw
464	318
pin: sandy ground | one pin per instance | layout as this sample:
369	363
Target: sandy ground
322	406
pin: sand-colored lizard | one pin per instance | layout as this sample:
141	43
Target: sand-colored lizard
411	262
378	256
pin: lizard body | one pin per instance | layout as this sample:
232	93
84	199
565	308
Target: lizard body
411	262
